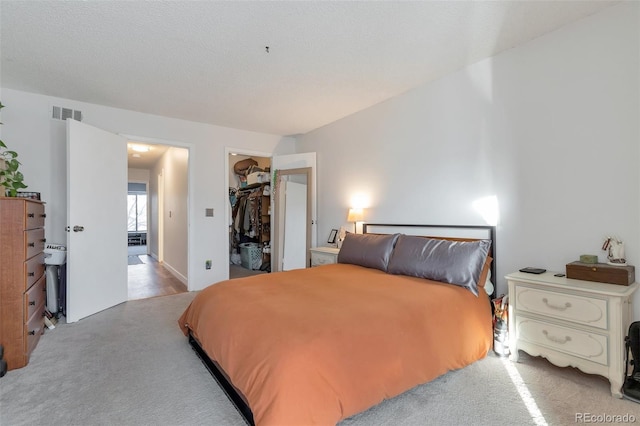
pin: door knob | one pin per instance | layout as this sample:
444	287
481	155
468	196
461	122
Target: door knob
78	228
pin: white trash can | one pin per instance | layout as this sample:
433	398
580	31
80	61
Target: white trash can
55	257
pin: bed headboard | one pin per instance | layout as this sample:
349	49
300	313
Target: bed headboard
449	232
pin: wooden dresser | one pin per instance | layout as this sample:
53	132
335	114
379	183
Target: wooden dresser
22	278
571	322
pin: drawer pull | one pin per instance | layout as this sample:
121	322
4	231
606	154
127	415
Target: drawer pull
32	333
31	244
555	339
556	307
31	215
31	274
43	215
32	303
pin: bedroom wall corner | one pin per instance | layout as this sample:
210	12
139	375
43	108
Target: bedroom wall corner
549	127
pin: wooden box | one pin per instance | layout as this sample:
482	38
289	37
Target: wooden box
602	272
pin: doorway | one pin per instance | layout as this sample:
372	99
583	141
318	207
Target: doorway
149	273
96	192
279	165
249	204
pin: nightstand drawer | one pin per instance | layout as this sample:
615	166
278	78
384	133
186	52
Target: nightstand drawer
577	343
318	259
582	310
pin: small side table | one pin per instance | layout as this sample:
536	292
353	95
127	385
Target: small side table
571	323
324	255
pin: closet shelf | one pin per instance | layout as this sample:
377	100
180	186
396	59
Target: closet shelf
252	187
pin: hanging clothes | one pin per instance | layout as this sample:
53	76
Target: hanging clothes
246	216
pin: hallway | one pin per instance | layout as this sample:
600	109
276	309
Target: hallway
148	278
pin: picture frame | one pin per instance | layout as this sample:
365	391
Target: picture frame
332	236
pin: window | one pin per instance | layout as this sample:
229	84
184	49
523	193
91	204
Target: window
137	208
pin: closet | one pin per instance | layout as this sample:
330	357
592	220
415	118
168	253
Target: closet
250	227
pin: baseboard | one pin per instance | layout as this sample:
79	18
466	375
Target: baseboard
175	273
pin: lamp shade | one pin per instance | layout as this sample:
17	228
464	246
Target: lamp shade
355	215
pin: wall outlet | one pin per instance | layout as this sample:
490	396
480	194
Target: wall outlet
207	264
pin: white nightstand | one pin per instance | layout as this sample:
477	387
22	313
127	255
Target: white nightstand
324	255
571	322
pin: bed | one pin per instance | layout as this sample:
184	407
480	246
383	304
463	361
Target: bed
317	345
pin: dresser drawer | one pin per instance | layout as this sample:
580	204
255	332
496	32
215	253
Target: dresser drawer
33	270
578	309
33	330
34	298
577	343
318	259
34	215
33	242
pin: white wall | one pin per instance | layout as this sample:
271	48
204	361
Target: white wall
41	144
550	128
174	166
138	175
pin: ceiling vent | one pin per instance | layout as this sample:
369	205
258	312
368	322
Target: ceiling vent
60	113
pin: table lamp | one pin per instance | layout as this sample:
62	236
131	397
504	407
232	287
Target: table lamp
355	215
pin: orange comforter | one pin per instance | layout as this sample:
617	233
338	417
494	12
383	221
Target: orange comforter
314	346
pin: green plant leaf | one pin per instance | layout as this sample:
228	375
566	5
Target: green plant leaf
12	166
10	178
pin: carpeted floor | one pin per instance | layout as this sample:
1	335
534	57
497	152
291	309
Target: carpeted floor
237	271
131	365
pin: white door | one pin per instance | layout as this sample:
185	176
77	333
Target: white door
97	220
295	225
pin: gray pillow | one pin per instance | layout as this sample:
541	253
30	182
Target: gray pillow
453	262
368	250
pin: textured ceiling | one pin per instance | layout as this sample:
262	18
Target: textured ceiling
207	61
